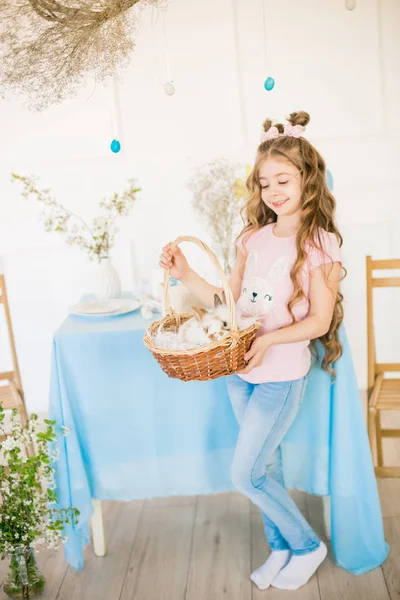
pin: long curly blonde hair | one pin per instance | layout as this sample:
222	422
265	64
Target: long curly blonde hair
318	212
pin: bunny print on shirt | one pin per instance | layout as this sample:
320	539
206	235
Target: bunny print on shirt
258	293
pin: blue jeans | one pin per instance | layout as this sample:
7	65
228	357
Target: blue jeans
265	411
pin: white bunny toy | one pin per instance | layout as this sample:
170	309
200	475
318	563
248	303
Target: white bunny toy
257	297
204	328
221	310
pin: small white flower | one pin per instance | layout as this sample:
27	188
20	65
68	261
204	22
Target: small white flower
55	455
9	444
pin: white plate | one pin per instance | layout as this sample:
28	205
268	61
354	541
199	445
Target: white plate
104	308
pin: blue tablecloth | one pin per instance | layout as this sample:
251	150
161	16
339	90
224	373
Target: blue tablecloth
135	433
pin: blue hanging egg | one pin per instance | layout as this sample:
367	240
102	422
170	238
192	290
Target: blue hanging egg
269	84
329	180
115	146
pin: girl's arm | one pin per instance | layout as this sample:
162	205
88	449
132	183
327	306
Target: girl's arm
205	291
324	285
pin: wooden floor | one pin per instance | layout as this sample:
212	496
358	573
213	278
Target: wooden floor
205	547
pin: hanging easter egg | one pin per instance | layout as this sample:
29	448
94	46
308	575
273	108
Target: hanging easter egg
329	180
169	88
115	146
269	84
350	4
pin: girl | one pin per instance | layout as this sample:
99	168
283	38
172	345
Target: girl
286	272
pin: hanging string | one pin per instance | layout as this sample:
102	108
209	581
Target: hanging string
166	82
240	86
382	71
115	117
269	83
264	20
166	51
154	20
93	90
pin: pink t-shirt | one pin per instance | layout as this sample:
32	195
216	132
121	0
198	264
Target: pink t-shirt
266	289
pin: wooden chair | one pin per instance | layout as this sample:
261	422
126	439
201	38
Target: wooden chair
383	393
11	393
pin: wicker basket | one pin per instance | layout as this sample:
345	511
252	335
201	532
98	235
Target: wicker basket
202	362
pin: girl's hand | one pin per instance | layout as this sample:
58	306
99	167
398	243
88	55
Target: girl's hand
256	353
175	261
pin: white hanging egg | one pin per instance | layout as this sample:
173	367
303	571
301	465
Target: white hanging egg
169	88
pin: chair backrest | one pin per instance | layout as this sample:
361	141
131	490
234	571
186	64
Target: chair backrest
13	375
372	282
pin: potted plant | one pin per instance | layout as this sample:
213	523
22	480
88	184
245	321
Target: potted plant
28	521
96	239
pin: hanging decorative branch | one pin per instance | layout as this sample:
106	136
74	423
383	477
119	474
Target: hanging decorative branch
48	48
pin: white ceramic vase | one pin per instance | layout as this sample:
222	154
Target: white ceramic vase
108	281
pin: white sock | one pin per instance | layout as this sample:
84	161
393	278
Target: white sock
299	569
263	576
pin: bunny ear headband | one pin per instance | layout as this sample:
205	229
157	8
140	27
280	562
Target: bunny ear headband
290	131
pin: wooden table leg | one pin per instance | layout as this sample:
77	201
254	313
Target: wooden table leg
99	542
326	507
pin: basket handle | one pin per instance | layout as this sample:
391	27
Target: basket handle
224	281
